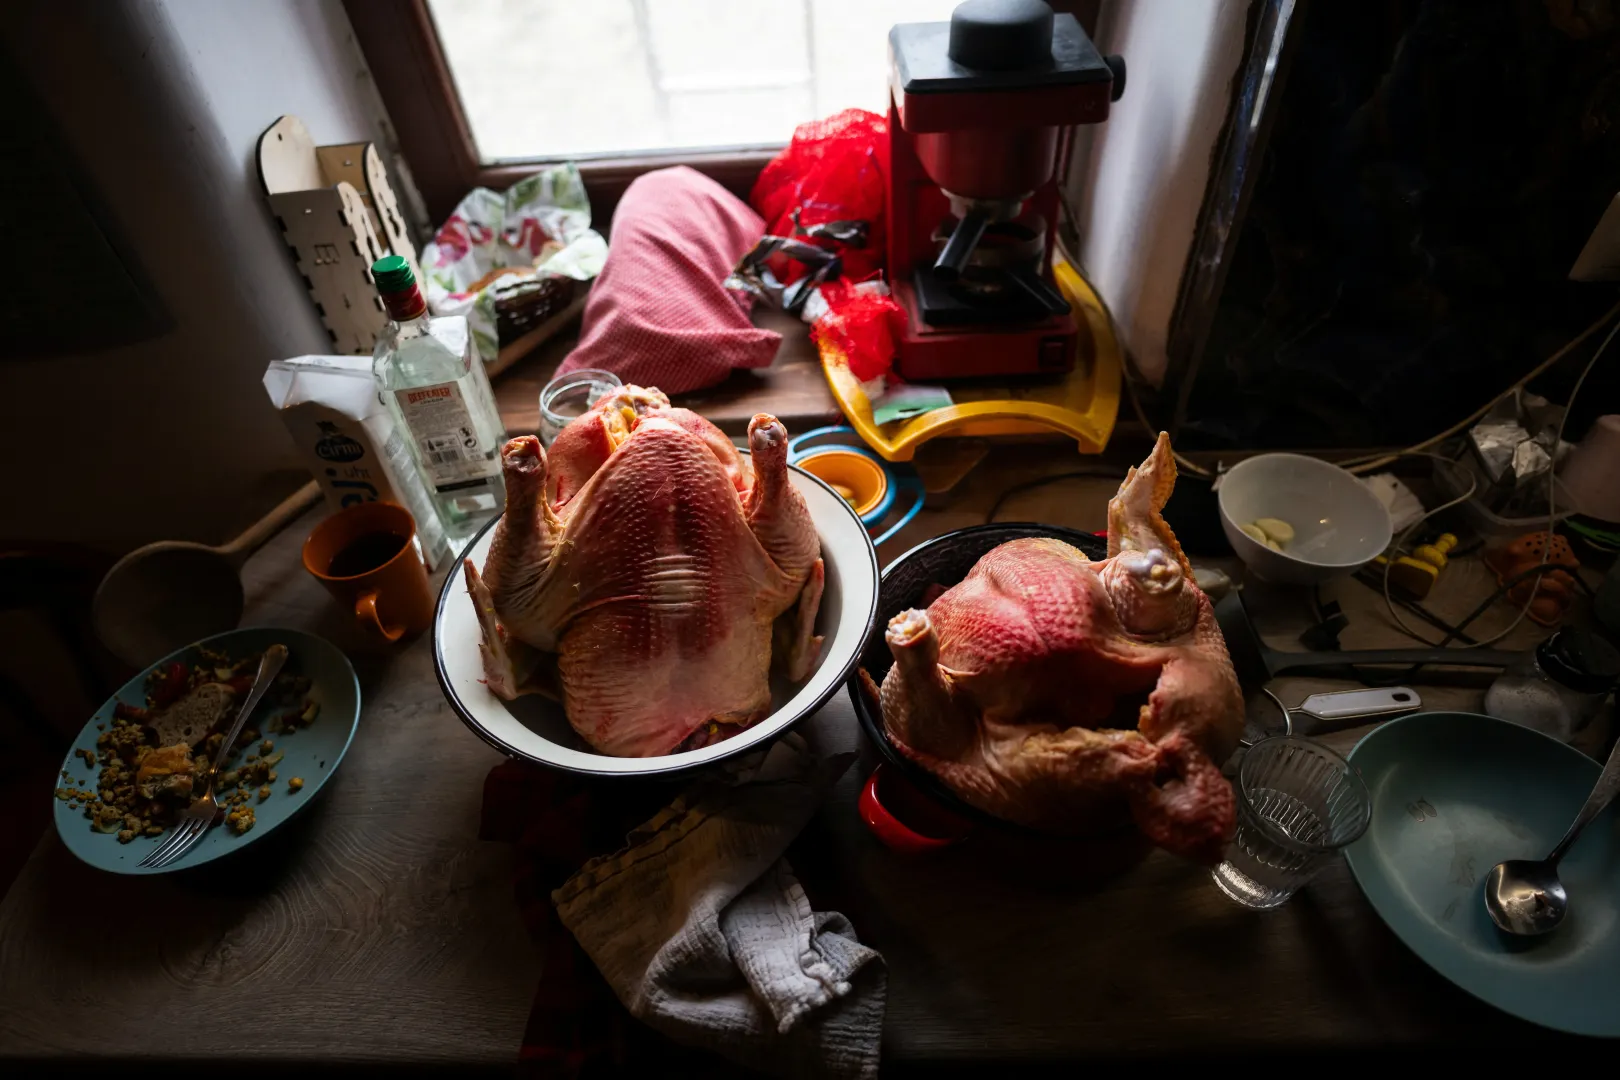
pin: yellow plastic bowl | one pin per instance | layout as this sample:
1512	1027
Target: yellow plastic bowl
856	477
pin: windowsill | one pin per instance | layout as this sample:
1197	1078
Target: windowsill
792	389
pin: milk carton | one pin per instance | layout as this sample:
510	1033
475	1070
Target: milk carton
348	439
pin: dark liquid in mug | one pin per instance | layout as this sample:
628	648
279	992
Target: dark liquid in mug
366	554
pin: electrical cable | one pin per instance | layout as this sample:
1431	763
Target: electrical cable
1552	520
1374	461
1538	571
1369	578
1355	465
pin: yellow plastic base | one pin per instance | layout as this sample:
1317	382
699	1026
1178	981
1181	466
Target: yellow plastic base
1082	405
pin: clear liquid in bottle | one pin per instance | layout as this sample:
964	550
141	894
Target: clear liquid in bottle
430	376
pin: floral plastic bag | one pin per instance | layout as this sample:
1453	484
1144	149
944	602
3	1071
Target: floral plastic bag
541	226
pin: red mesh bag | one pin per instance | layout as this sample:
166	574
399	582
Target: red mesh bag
862	325
834	170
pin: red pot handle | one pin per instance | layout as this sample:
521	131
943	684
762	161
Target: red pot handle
943	827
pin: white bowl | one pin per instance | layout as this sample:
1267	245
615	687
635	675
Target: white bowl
1339	524
535	728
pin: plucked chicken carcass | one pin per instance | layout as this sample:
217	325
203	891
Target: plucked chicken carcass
1054	692
647	574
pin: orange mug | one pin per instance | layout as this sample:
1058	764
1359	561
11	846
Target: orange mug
369	559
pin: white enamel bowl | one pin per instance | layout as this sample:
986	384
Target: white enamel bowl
534	727
1339	524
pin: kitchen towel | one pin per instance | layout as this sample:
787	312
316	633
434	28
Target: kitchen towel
576	1027
704	933
659	313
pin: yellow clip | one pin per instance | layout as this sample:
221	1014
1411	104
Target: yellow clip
1416	573
1435	554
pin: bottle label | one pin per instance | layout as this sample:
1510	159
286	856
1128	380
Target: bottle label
446	440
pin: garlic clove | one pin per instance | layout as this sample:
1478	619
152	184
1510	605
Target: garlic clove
1276	529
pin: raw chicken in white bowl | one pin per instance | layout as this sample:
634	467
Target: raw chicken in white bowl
653	599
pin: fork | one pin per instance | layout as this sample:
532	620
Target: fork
196	819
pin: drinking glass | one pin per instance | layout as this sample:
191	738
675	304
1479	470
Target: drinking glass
570	396
1298	804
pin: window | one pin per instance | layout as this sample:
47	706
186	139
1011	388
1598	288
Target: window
550	79
481	90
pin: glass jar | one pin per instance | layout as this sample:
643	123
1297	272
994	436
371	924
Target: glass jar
1558	688
568	397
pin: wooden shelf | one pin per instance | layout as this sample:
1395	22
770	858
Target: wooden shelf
792	389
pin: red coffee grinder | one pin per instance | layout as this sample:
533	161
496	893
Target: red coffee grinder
982	111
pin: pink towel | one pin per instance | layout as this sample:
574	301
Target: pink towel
659	315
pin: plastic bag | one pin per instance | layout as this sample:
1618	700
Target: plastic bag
861	322
754	276
539	227
828	181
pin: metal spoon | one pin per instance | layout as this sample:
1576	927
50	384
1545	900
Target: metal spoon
1524	896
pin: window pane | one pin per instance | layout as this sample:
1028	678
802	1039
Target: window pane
575	78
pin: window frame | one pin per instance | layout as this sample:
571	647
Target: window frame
412	74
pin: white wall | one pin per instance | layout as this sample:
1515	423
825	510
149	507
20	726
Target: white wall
1140	177
161	103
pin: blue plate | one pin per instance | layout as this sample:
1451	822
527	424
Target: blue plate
1453	795
312	753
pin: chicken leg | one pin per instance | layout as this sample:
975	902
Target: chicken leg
521	551
781	522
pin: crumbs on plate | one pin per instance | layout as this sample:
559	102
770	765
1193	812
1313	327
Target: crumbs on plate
148	774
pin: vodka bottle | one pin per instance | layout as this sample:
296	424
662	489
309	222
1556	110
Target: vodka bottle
431	378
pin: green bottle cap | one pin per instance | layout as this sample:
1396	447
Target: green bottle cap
392	274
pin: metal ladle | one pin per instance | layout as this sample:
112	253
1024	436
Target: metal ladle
1524	896
166	595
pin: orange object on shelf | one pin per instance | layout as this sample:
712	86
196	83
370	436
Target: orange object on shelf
1554	590
1082	404
860	480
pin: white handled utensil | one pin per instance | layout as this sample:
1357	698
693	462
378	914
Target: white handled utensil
1335	710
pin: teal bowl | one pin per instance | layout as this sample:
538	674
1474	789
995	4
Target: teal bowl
1453	794
312	753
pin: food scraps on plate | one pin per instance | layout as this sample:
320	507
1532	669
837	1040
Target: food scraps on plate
142	773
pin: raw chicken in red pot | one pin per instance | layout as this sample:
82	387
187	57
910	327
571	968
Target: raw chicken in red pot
1058	693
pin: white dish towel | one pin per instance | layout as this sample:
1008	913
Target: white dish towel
704	933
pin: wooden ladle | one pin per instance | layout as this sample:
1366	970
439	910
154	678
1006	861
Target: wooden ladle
163	596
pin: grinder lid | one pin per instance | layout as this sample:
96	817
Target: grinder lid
1001	35
995	45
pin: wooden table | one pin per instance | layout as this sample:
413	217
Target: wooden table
373	929
379	931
